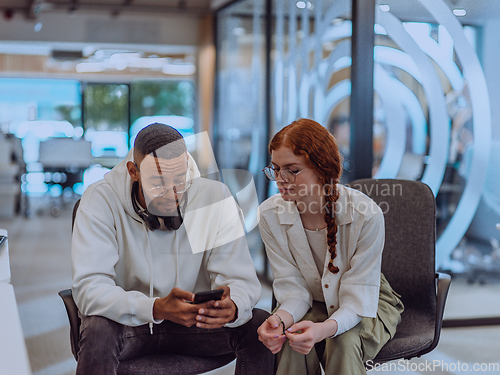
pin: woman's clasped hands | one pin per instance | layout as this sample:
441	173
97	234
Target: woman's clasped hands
271	334
302	336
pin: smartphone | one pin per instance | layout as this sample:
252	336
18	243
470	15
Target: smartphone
210	295
3	239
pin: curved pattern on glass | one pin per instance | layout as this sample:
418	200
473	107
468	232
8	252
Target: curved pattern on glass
308	91
451	36
293	80
481	118
440	131
385	86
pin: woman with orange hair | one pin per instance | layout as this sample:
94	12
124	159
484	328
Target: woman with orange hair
324	242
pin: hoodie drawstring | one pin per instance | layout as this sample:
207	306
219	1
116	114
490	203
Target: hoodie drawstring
149	256
176	259
151	278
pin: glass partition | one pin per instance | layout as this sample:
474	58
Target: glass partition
432	119
240	126
294	62
311	66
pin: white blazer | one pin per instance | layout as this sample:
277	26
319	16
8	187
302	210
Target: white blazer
360	241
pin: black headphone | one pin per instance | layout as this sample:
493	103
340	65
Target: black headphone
152	221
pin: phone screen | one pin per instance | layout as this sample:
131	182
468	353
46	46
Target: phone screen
209	295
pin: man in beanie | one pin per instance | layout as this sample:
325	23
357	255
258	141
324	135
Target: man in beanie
148	237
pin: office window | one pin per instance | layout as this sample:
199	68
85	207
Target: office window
166	101
106	121
37	109
37	112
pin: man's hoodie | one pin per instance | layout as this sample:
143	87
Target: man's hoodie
120	267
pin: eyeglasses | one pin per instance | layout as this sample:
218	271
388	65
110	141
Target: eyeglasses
161	190
287	175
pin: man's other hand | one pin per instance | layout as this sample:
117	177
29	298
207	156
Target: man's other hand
220	313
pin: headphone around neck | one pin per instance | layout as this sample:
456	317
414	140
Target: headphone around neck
152	221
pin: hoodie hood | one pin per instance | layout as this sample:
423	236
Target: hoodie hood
121	182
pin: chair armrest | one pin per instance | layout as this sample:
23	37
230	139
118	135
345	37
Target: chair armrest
443	281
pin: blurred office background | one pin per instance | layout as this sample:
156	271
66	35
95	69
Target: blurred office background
410	89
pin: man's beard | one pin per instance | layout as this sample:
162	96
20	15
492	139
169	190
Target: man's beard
171	216
162	207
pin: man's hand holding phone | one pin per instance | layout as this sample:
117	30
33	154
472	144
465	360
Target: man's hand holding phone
219	313
178	307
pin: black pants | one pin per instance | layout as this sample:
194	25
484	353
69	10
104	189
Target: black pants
104	343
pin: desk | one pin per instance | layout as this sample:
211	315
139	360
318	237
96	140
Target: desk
4	260
13	354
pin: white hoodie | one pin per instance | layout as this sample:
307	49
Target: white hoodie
120	267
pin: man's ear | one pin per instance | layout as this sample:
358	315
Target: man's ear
132	171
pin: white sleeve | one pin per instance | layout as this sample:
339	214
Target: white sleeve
346	319
94	254
289	286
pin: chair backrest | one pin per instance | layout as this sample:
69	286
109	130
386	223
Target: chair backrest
69	304
410	236
75	209
74	320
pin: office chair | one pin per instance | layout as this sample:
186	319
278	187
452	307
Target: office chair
172	364
408	264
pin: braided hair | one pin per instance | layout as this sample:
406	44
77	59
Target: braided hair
311	140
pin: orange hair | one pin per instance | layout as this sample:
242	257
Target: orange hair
314	142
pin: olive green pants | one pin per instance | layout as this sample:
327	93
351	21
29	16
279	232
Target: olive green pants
345	354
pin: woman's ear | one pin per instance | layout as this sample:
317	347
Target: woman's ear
132	171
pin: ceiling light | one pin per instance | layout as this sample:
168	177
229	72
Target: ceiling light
459	12
384	7
120	65
148	63
89	67
179	69
125	56
301	4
